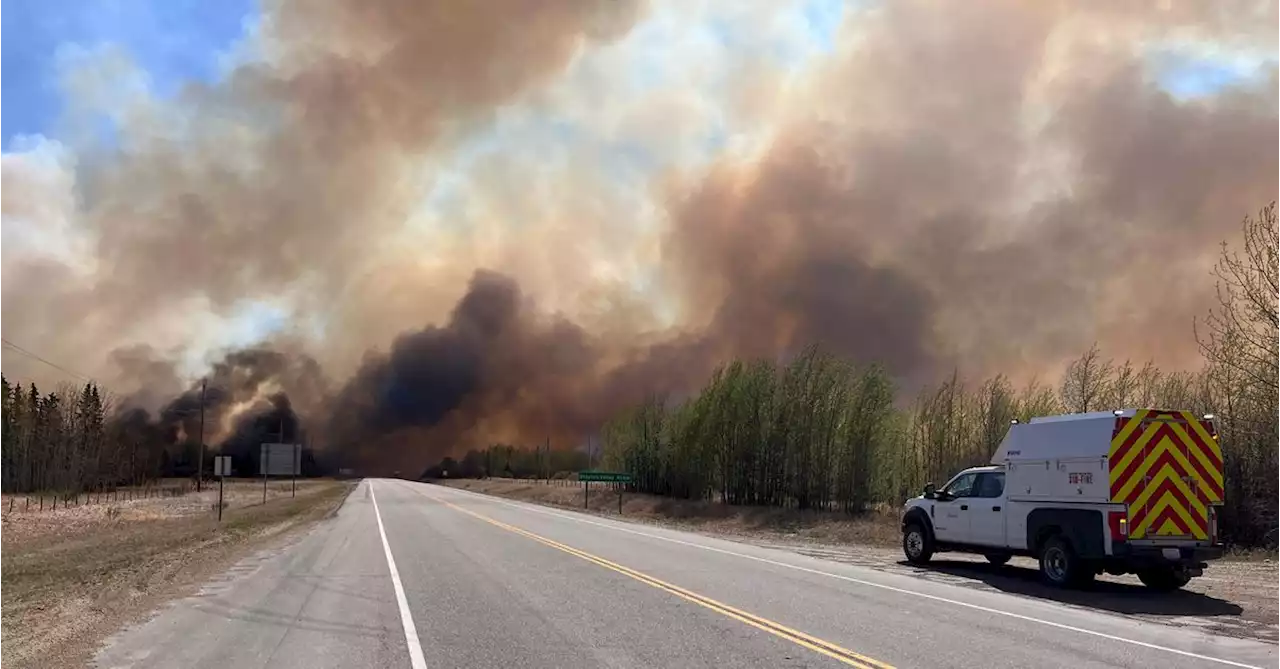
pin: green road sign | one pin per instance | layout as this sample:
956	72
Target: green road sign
605	477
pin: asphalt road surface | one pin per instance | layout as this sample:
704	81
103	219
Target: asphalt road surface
413	575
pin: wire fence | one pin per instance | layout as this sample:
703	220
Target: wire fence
51	500
561	482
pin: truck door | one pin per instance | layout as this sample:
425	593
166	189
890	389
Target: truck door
951	512
987	510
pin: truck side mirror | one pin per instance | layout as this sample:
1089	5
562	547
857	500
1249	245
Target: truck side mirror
929	490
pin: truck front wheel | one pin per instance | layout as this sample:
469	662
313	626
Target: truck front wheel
1164	579
917	544
1059	564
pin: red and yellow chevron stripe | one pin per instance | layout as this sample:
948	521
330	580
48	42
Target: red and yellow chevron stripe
1167	467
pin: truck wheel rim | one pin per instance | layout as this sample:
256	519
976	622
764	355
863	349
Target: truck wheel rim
915	543
1055	564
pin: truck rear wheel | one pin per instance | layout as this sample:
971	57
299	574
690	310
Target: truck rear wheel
917	544
1164	579
1060	566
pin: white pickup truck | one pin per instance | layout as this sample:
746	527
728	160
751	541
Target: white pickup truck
1129	491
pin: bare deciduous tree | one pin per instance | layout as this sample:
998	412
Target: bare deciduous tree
1086	382
1242	333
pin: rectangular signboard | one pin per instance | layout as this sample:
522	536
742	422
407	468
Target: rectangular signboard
222	465
605	477
280	460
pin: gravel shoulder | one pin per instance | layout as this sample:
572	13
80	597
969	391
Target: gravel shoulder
73	577
1237	597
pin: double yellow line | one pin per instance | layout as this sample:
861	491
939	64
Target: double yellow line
813	643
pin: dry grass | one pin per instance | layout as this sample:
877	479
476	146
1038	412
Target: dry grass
24	526
877	528
74	576
1263	555
44	501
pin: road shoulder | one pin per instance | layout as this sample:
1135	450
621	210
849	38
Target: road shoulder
67	591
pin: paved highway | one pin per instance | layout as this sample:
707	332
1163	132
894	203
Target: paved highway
412	575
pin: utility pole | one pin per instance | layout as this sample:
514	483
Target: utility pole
200	463
266	461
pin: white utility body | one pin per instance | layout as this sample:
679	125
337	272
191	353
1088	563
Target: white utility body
1130	491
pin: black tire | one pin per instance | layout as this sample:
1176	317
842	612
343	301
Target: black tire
1165	579
1059	565
917	544
998	559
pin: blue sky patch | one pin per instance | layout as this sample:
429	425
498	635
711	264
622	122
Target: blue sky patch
824	17
174	42
1190	75
253	322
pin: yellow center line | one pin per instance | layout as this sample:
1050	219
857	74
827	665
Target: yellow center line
813	643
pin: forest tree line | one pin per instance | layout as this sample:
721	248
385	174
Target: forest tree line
78	438
821	432
65	440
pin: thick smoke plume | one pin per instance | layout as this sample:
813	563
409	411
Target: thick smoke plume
991	186
490	372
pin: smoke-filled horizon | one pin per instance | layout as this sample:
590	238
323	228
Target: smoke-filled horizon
468	226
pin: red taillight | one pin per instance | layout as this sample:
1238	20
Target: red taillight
1118	521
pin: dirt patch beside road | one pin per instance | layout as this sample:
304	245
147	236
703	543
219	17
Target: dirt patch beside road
74	576
1236	596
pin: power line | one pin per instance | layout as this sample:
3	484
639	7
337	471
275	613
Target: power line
33	356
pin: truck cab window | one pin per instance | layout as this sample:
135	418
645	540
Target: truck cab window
961	486
990	484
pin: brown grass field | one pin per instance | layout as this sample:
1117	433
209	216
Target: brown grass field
74	576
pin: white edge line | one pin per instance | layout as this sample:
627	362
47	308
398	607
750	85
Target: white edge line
406	619
978	607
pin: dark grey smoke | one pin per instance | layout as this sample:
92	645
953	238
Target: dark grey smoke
495	369
249	398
